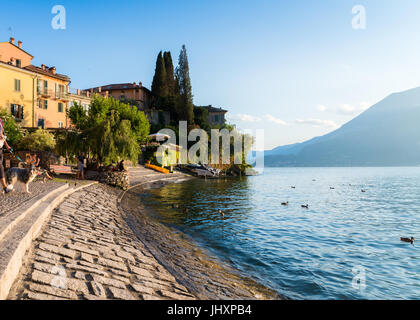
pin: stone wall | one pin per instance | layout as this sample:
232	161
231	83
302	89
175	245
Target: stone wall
116	179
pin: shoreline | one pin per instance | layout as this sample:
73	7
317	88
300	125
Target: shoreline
190	263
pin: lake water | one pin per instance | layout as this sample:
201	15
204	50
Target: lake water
316	253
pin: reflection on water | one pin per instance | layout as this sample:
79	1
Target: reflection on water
307	253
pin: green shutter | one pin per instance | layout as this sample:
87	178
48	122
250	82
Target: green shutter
45	104
60	107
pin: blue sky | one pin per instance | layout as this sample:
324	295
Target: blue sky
294	68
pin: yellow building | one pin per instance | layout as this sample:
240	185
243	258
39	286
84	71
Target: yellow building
36	96
16	93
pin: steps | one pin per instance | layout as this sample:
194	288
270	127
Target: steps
19	229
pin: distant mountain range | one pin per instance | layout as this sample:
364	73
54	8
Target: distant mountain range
387	134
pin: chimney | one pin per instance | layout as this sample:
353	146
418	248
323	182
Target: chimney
53	70
78	92
43	66
106	94
100	89
12	40
140	84
134	83
20	44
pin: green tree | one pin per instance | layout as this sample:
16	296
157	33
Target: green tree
159	84
201	115
185	107
110	130
11	129
170	74
39	140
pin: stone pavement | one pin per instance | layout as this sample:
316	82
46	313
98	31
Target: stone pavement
13	200
87	251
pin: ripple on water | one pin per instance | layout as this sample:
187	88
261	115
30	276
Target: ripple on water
308	253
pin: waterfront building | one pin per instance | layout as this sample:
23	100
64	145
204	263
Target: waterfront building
216	115
132	93
35	96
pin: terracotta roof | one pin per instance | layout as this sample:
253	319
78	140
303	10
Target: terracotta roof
11	65
47	72
118	86
213	109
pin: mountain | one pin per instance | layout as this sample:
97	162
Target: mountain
387	134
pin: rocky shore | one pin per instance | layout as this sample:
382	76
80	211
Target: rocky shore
100	244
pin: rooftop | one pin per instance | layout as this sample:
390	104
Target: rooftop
210	108
118	86
47	71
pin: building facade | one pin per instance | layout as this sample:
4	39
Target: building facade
35	96
130	92
216	115
134	94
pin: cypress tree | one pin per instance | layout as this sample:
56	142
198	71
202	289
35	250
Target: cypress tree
159	85
170	75
186	106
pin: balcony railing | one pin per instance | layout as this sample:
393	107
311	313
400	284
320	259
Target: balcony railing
44	92
61	95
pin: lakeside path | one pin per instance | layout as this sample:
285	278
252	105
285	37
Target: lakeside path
13	201
90	248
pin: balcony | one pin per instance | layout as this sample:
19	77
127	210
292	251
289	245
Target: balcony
61	95
44	92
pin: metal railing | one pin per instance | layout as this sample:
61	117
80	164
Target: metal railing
44	92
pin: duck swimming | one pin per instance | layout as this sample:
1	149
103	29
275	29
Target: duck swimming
305	206
285	203
408	240
293	187
221	213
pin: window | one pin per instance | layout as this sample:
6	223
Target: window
60	124
45	104
216	118
60	107
16	111
19	63
17	85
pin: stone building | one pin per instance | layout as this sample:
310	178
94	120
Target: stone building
216	115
